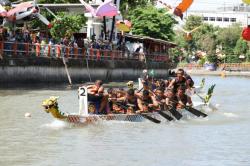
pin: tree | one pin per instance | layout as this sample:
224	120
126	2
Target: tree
228	38
67	25
193	22
152	22
241	47
128	5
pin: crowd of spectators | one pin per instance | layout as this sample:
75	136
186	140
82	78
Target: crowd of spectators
71	46
43	39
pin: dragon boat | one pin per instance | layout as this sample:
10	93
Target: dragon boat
85	111
86	115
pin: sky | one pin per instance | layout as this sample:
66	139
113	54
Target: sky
206	4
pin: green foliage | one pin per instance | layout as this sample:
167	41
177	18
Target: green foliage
212	59
208	37
175	54
248	56
193	22
232	59
241	47
149	21
202	61
129	5
67	25
228	37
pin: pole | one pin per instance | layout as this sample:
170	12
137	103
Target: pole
104	26
67	71
113	25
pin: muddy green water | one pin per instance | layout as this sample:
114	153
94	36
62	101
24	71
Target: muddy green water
221	139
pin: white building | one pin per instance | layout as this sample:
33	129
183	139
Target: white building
224	17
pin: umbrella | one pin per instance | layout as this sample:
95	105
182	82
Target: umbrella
105	9
124	26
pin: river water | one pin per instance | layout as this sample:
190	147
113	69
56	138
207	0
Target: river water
221	139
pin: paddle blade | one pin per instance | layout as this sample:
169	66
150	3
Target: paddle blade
175	113
193	112
166	116
196	112
151	118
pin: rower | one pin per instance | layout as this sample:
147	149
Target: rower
160	98
189	79
97	96
182	99
130	101
151	83
116	101
190	90
180	80
130	85
147	87
171	99
147	102
111	96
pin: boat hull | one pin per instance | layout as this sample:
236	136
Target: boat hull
110	117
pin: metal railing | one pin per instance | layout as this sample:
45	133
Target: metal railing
20	50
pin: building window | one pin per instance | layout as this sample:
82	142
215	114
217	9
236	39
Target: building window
205	18
226	19
219	19
233	19
212	19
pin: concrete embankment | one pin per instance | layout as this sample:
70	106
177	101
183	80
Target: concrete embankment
219	73
51	70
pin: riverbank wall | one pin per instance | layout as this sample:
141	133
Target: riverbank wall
227	69
219	73
32	70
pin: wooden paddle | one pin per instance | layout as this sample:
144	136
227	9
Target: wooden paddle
166	116
145	115
175	113
162	113
195	111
